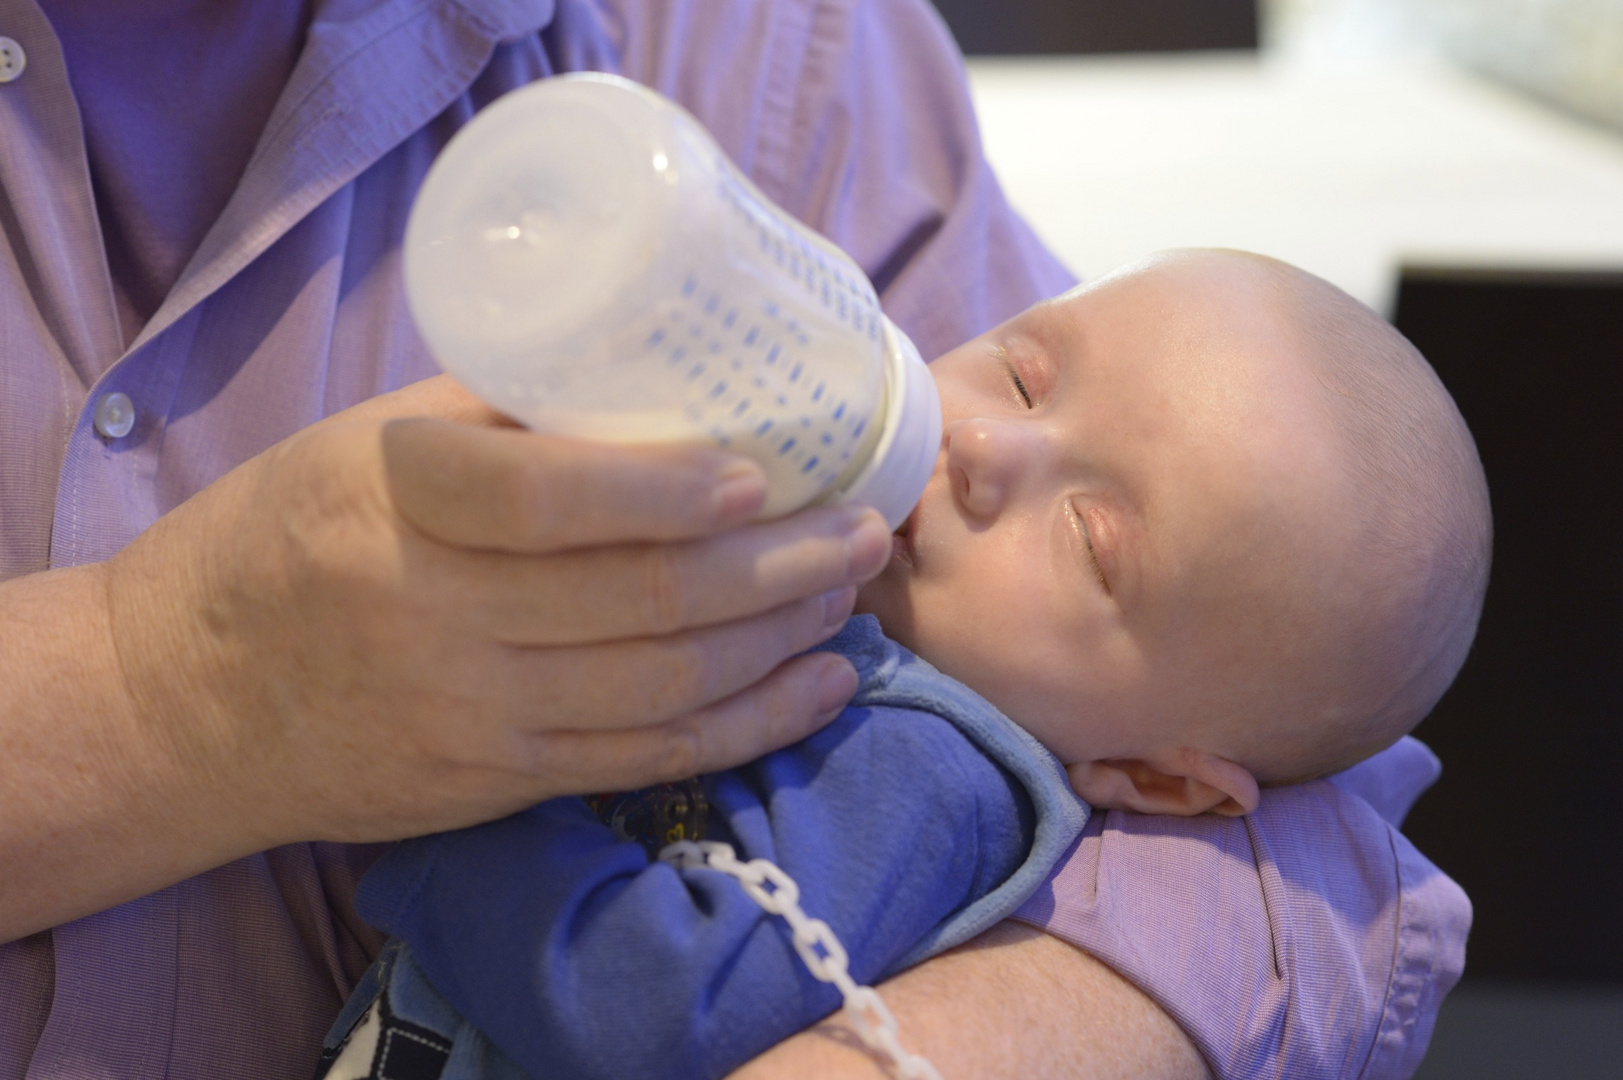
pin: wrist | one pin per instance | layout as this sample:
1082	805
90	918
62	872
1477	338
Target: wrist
210	766
98	807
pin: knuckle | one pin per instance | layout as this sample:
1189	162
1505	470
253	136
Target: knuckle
525	494
684	676
511	495
802	625
664	590
681	753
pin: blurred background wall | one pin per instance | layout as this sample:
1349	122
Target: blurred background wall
1458	165
1568	53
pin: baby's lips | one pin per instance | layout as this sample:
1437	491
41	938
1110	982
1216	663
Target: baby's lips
901	541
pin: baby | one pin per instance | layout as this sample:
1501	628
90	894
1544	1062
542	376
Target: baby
1204	524
1201	526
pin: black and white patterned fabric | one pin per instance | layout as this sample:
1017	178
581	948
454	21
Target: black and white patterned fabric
382	1046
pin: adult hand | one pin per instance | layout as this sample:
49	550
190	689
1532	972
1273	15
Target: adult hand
383	627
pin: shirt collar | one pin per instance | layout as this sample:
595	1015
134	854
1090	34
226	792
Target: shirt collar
372	72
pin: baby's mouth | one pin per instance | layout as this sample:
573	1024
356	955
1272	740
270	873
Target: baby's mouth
901	541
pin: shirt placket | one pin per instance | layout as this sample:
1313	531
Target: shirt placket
106	495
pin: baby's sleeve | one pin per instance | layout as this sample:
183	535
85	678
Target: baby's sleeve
579	957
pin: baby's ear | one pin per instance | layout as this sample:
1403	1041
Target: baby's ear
1184	782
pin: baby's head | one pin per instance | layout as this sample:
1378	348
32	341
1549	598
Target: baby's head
1202	524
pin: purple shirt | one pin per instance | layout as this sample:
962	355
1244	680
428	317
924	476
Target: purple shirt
1306	940
265	284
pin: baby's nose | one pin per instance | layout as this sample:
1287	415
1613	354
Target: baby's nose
985	459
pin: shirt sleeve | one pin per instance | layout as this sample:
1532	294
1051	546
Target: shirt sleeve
579	958
1306	940
855	116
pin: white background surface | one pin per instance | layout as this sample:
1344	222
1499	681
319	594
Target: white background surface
1347	171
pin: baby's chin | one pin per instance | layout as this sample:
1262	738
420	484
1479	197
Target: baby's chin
885	598
871	600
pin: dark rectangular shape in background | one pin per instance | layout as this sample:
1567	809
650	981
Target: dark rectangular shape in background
1004	27
1528	816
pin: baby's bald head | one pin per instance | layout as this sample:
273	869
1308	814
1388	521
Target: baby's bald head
1408	577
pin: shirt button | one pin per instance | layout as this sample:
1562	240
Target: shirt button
115	415
12	59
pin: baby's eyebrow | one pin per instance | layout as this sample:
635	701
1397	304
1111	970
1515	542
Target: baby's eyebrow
1053	332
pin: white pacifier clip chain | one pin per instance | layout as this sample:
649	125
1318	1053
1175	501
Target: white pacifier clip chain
819	949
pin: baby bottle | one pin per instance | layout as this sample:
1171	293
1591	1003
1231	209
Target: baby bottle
585	258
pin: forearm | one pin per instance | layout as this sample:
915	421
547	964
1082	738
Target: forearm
98	809
1015	1003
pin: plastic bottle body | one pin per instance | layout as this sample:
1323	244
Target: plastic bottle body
585	258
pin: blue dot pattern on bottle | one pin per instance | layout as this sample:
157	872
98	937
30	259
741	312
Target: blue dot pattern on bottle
751	388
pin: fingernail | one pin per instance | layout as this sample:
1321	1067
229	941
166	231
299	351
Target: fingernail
740	490
835	685
837	605
867	547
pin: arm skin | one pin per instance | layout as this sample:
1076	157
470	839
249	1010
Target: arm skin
345	639
1014	1004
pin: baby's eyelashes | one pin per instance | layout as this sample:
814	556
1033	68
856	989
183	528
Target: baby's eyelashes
1011	374
1030	368
1082	515
1019	386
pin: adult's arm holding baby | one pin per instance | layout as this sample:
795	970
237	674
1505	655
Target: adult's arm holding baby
281	658
1307	939
1040	1007
914	820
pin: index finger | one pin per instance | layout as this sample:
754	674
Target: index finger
795	700
504	489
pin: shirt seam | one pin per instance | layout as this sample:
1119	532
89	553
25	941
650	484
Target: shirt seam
779	100
1402	919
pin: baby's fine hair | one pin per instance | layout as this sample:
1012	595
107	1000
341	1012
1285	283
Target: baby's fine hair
1412	461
